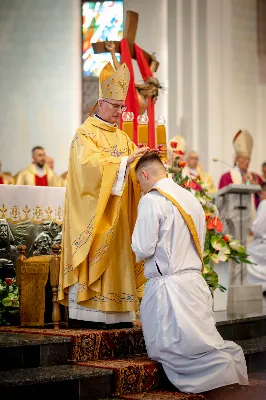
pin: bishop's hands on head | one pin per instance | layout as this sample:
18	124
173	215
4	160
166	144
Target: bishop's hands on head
137	153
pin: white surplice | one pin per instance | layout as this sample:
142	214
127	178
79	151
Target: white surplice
257	249
176	310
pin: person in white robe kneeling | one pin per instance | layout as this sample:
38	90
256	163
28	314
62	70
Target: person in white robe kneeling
176	310
257	249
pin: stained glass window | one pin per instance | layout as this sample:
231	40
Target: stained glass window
101	20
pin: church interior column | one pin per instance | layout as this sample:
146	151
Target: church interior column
218	84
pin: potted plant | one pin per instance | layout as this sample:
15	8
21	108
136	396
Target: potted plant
9	302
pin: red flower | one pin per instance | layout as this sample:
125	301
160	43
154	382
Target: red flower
173	145
179	152
9	281
182	164
207	217
140	146
225	238
190	184
160	147
215	223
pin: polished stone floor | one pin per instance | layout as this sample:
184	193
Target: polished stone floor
242	313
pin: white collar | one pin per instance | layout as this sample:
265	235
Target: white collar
103	120
40	171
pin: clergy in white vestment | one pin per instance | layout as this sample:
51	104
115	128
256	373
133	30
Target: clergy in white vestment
257	249
176	310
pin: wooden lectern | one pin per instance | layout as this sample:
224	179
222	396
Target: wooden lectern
234	203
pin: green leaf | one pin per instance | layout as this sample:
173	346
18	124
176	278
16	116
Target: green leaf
207	268
235	245
215	258
217	243
222	288
13	312
7	302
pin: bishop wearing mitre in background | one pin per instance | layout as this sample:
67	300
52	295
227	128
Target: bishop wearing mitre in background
240	174
98	273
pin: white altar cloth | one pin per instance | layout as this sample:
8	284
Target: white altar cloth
34	203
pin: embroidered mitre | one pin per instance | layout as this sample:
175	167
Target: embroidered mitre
243	143
113	84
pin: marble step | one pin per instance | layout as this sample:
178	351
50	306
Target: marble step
43	347
162	395
240	328
131	374
255	391
255	353
141	374
93	344
51	383
22	350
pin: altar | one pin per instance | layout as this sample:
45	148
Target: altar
32	216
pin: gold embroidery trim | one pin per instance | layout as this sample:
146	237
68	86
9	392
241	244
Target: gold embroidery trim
36	214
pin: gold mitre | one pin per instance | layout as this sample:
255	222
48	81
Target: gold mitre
177	143
243	143
113	84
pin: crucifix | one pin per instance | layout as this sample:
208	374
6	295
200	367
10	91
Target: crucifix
130	31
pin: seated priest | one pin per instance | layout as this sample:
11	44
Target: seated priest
63	178
37	173
195	170
50	162
5	177
61	181
240	174
257	249
98	273
176	310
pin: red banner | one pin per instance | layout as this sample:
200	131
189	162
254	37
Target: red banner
132	102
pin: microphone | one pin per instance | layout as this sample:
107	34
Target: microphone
223	162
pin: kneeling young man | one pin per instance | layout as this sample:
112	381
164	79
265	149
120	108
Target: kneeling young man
176	310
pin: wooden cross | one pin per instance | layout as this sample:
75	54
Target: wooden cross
130	31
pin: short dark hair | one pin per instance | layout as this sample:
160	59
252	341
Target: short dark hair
37	148
151	157
264	164
263	186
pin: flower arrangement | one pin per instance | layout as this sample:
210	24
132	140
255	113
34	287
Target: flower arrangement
9	301
219	247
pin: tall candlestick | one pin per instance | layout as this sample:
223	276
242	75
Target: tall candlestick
127	125
143	131
161	137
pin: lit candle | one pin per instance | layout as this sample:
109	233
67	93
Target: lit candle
127	125
161	137
143	131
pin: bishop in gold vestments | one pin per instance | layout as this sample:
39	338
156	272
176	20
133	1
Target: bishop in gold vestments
98	274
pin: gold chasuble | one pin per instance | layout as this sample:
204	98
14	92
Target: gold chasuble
98	225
